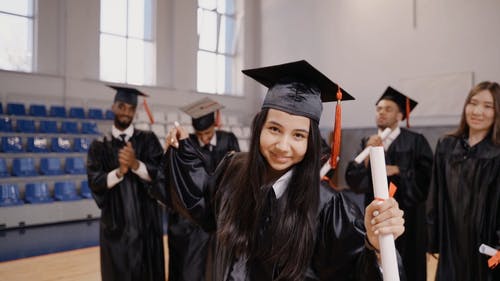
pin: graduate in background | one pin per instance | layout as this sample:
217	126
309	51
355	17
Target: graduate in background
187	241
271	218
408	157
122	169
463	209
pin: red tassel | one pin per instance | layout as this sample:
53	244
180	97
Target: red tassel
148	111
494	260
336	131
217	119
408	112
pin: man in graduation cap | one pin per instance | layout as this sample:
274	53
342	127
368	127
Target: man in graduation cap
408	159
122	170
271	217
187	241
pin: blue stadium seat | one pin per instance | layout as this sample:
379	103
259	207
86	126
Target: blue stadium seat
9	195
5	124
109	115
38	110
89	128
23	167
57	111
95	113
16	109
12	144
37	192
81	144
25	126
76	112
50	166
4	170
75	165
48	127
60	144
37	144
85	191
65	191
69	127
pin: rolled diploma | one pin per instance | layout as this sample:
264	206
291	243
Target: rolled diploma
487	250
362	156
326	167
387	248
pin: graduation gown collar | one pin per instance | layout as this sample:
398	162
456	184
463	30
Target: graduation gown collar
281	184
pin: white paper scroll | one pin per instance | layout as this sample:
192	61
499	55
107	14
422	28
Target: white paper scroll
380	191
362	156
487	250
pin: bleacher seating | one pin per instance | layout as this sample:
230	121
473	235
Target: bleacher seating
81	144
4	170
38	110
9	195
60	144
95	113
89	128
77	112
85	191
23	167
57	111
37	145
5	124
48	127
69	127
16	109
65	191
12	144
75	165
37	192
109	115
50	166
25	126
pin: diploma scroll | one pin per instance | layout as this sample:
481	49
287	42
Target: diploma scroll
380	191
362	156
487	250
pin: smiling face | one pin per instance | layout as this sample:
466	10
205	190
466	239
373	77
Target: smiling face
124	114
480	112
387	114
283	140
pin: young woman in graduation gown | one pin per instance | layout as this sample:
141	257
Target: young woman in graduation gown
271	217
463	208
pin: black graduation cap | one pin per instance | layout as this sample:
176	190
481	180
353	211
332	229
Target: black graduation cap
202	113
297	88
127	95
400	99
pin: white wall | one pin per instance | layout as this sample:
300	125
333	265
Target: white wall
368	45
68	58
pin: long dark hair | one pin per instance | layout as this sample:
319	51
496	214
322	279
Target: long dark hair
494	89
293	227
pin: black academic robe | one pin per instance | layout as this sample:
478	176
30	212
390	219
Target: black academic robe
188	242
131	232
463	210
339	253
411	152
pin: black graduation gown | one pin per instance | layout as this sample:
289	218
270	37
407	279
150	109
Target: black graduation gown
463	210
188	242
411	152
131	232
339	253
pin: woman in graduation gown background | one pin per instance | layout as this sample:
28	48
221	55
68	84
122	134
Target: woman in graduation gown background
463	209
271	217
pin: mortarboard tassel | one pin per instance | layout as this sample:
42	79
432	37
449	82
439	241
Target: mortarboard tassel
494	260
217	119
148	111
337	131
408	109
